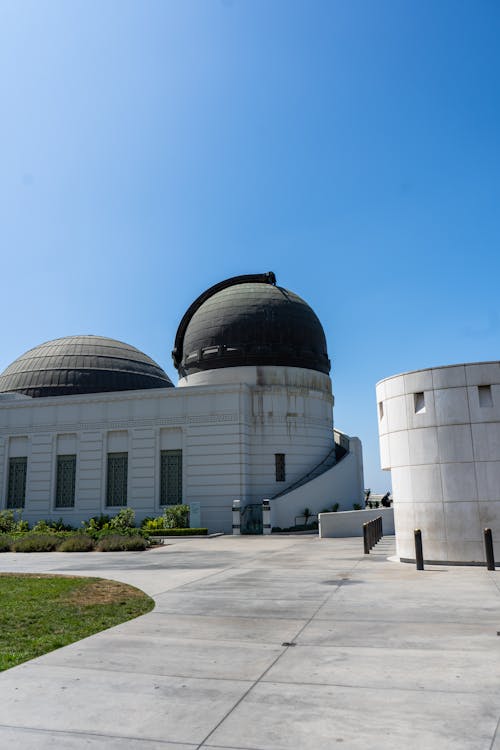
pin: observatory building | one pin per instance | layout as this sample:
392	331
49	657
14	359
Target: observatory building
89	425
440	437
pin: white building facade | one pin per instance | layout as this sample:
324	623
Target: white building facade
440	437
89	425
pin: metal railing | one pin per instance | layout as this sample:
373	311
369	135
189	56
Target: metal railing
372	533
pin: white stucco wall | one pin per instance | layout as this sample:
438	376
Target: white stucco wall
228	431
443	450
342	484
350	523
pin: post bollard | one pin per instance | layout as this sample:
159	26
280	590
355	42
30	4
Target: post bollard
488	546
419	555
236	518
366	545
266	517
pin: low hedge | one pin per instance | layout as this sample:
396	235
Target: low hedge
5	543
77	543
36	543
179	532
121	543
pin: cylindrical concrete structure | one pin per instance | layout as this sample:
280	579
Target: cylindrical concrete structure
440	437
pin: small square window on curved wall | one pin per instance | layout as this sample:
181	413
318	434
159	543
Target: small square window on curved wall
279	460
484	395
419	402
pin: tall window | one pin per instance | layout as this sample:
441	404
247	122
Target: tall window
279	460
65	481
16	493
116	488
171	477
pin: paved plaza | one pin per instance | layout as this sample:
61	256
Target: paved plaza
268	643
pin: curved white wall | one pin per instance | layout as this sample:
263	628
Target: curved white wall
440	437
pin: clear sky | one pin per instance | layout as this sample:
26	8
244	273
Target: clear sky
150	149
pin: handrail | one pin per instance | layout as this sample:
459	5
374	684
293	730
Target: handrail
340	441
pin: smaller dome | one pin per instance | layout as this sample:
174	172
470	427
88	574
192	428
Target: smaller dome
82	364
249	320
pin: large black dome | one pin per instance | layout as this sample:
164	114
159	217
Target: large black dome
82	364
248	320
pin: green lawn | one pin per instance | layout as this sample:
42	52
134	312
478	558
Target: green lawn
39	613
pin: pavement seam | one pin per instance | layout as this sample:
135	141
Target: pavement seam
203	578
378	688
24	728
259	679
494	735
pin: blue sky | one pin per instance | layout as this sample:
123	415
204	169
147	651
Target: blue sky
150	149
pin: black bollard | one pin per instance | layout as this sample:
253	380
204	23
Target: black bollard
419	555
488	546
365	539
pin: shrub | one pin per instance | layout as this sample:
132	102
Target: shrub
41	527
11	521
153	524
36	543
77	543
59	525
176	517
307	513
119	542
5	543
357	506
124	519
96	523
7	521
335	507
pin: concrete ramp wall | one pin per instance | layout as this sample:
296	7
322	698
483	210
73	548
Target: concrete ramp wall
350	523
342	484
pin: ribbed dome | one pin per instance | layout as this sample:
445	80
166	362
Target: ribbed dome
248	320
82	364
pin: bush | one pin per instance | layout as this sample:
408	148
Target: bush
119	543
176	517
5	543
36	543
153	524
41	527
124	520
9	523
335	507
59	525
96	523
357	506
77	543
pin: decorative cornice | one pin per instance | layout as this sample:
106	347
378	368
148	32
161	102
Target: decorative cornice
124	424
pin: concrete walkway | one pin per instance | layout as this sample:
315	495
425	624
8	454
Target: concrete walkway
380	655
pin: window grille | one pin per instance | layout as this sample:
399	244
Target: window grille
17	482
116	488
171	477
65	481
279	459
